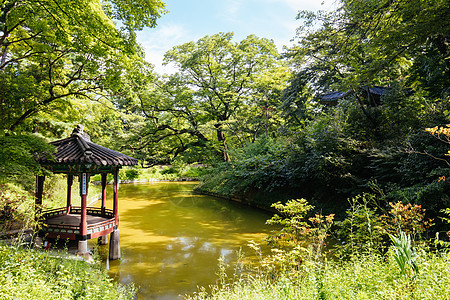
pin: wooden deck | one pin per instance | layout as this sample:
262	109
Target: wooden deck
57	223
74	220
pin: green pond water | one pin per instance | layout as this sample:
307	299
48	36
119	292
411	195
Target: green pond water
171	239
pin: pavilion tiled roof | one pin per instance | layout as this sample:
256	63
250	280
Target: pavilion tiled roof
374	90
78	149
333	96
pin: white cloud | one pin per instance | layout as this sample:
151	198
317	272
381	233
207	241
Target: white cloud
232	10
260	17
308	4
157	41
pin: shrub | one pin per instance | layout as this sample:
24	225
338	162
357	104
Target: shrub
16	208
299	239
131	174
362	230
431	196
406	219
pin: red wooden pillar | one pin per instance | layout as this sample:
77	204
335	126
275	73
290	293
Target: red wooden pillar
83	192
69	192
38	195
82	243
116	197
114	241
103	193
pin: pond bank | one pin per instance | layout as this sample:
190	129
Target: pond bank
98	182
244	201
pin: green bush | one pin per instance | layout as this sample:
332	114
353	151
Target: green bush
168	170
432	196
257	166
17	161
362	230
194	172
131	174
16	208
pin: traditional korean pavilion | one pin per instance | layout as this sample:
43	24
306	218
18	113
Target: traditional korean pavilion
373	94
78	156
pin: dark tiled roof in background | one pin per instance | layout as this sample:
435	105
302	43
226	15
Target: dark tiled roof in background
78	149
378	90
333	96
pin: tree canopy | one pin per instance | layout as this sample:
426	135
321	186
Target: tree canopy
375	42
218	82
55	51
58	54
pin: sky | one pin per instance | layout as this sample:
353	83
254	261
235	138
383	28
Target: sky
190	20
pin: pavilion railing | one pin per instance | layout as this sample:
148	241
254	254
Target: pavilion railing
50	213
75	229
93	211
62	228
101	226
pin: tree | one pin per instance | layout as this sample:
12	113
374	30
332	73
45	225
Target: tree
57	51
375	42
217	80
442	134
54	56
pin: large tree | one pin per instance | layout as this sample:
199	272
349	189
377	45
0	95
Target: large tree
218	81
402	44
56	58
374	42
54	51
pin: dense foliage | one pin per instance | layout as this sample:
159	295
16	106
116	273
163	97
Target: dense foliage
389	62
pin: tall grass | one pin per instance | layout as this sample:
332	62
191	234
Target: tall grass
298	271
33	274
362	277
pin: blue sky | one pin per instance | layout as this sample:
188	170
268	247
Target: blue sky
189	20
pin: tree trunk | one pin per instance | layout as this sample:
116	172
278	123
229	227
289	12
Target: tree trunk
222	139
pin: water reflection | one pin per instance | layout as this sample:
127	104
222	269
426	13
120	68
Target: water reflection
171	239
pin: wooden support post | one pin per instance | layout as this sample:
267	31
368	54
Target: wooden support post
83	192
116	197
103	240
103	193
114	241
114	245
38	196
82	244
69	192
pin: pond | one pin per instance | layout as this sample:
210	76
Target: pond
171	239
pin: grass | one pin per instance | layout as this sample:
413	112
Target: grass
33	274
362	277
304	271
